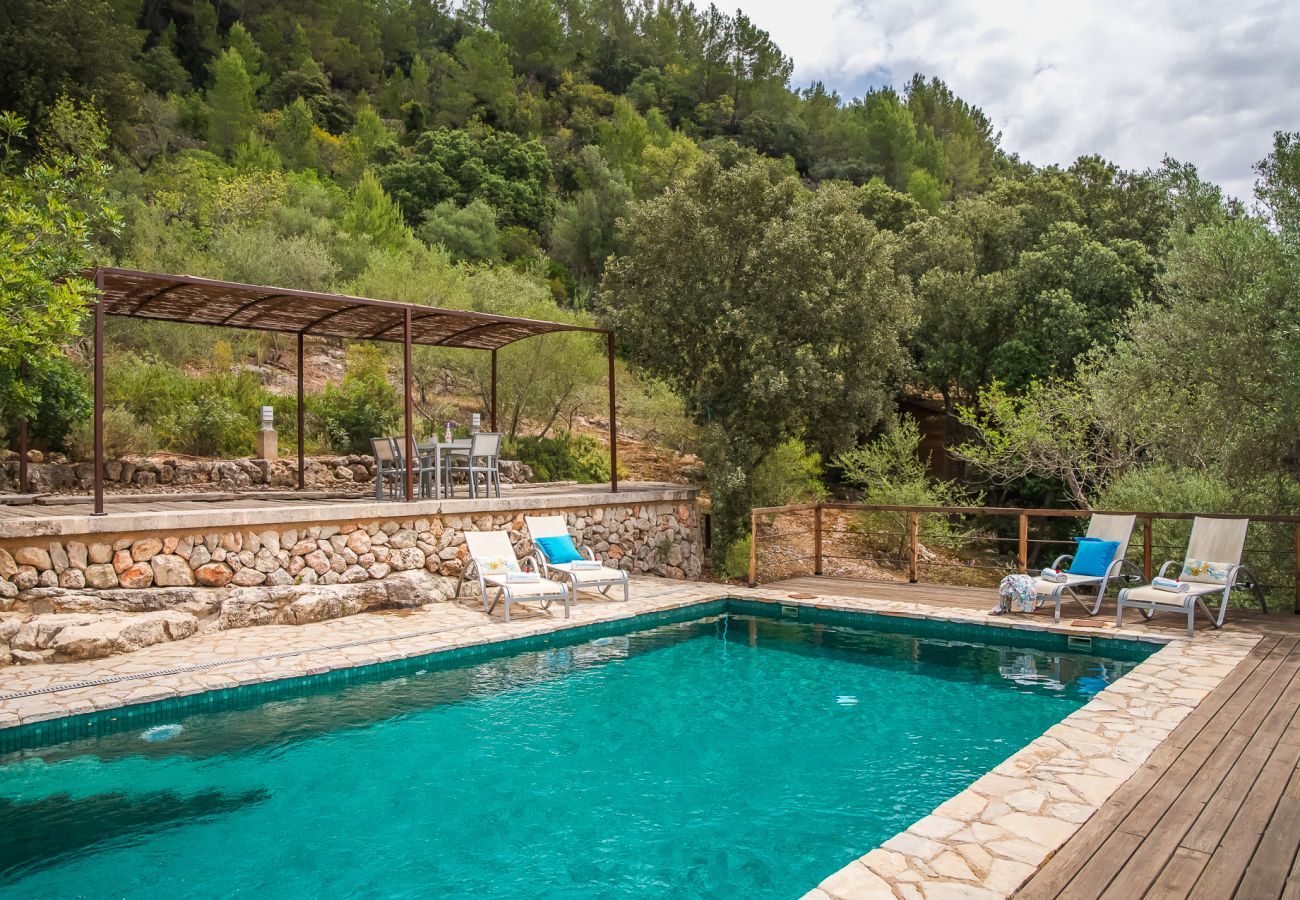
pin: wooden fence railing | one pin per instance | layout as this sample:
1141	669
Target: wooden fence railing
1146	519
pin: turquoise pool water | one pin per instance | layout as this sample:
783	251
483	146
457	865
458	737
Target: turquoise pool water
730	756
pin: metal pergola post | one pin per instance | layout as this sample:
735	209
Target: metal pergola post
22	437
613	424
302	454
492	409
410	407
99	393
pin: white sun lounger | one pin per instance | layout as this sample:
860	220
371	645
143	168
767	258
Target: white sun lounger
1212	541
602	578
493	560
1103	527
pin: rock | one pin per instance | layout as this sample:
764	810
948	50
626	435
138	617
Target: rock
36	557
353	575
171	571
402	539
248	577
78	554
58	558
26	657
25	578
199	557
140	575
121	561
38	632
409	558
7	565
123	634
145	549
48	579
375	570
101	575
249	608
73	579
358	542
213	574
8	590
279	577
101	553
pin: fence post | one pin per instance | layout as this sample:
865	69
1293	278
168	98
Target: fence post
817	539
914	545
1024	542
1297	568
753	548
1146	550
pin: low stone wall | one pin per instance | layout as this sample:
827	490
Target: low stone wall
55	474
102	576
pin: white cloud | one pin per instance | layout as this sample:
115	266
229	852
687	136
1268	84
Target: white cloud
1207	83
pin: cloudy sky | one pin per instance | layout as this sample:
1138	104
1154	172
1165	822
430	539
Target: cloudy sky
1205	82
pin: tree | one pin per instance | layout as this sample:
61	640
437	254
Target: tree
295	138
373	215
773	311
468	233
52	209
507	172
231	100
583	233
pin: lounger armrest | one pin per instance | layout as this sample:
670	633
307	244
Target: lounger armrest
1164	569
1061	560
591	554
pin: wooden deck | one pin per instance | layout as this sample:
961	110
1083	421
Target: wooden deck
1215	811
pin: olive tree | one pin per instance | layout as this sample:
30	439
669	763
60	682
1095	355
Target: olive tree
773	311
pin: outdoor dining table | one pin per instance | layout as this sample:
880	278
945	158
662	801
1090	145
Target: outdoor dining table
437	448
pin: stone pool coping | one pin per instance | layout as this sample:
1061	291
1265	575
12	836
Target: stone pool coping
985	842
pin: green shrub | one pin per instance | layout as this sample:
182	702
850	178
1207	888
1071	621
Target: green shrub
123	436
208	425
364	407
733	563
61	398
790	474
891	472
566	457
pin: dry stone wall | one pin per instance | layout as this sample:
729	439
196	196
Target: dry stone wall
229	578
54	474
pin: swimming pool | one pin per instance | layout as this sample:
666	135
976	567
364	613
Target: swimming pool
734	753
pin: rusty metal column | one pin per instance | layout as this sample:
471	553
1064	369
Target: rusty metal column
99	394
22	436
493	405
613	425
410	409
302	418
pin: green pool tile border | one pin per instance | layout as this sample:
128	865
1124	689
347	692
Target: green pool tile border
124	718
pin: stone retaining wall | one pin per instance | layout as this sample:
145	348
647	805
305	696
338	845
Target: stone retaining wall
101	574
55	474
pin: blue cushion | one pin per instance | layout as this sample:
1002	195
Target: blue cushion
558	550
1093	557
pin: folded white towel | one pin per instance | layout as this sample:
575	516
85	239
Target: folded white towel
1170	585
1050	574
523	577
585	564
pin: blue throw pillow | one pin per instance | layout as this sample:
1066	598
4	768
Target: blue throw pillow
1093	557
558	550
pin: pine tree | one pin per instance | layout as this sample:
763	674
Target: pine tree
230	100
373	214
294	137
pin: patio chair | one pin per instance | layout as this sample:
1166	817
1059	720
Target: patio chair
1212	566
387	468
424	470
482	458
1101	527
493	562
601	577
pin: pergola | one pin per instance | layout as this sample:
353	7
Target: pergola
202	301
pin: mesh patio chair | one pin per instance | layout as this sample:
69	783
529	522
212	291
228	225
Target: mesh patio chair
602	577
387	468
492	559
1212	566
1106	528
483	458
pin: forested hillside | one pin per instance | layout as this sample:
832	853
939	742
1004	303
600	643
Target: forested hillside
782	263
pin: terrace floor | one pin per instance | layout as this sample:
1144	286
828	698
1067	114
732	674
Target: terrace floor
1214	811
